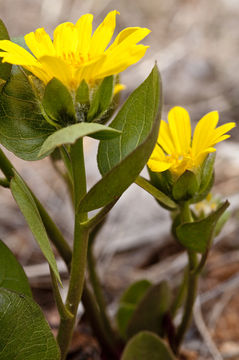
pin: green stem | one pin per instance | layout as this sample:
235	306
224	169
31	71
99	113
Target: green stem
6	166
180	296
79	255
185	212
191	285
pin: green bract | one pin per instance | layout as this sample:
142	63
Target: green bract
185	187
101	99
58	104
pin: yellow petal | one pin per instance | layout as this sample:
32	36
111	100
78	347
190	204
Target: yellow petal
158	162
180	129
158	166
103	34
119	61
221	130
204	131
56	67
129	36
15	54
84	25
165	138
39	72
39	42
66	37
202	155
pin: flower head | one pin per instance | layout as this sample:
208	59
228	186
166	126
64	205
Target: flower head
176	151
75	54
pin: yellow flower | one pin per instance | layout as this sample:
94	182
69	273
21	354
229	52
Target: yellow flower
176	151
75	54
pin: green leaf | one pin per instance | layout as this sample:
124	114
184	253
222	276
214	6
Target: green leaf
102	98
128	303
5	68
121	160
22	127
29	209
135	291
186	186
12	275
70	134
58	103
197	236
147	346
150	311
163	199
24	333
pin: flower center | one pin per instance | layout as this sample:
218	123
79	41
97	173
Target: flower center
75	59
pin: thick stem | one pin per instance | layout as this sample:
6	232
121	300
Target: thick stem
79	255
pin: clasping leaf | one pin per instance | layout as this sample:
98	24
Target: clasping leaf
197	236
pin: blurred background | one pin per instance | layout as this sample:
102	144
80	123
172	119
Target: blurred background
196	46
